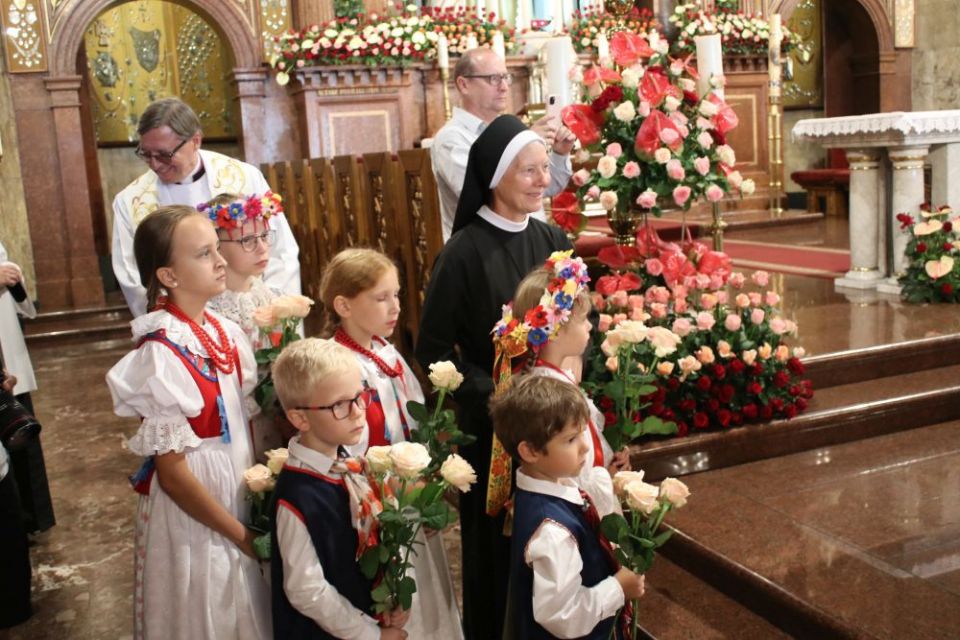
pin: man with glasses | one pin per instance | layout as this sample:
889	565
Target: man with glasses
483	82
183	173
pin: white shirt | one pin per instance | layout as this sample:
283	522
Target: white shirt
303	581
4	462
222	175
449	153
561	604
12	345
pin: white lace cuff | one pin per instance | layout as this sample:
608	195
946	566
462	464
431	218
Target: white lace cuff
162	435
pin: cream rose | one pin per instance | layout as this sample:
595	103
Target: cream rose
748	187
662	155
379	459
444	375
607	166
291	307
625	111
409	459
663	340
674	492
665	368
259	478
458	472
265	317
641	496
623	478
765	351
608	200
749	356
727	156
688	364
276	458
630	78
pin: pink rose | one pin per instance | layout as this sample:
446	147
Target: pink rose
722	297
618	318
604	322
732	322
782	354
708	301
619	298
614	149
675	170
658	294
638	314
681	194
755	298
647	199
593	192
644	108
682	327
580	177
631	170
653	266
772	298
736	280
598	302
756	316
635	301
705	321
658	310
760	278
612	363
680	305
714	193
742	300
778	326
669	137
705	140
702	165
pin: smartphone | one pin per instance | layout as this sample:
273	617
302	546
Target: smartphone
553	108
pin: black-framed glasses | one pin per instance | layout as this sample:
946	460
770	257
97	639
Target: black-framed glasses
161	156
341	409
494	79
249	243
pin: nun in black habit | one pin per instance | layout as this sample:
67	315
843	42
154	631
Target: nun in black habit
495	244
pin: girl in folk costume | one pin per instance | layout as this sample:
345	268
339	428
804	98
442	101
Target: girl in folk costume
360	292
195	572
245	234
546	326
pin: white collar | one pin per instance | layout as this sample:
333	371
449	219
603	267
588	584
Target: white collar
319	462
176	330
563	488
468	120
500	222
189	179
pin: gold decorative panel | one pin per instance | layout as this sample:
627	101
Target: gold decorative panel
904	23
805	90
141	51
274	20
23	37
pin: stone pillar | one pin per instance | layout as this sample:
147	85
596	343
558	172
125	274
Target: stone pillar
945	176
308	12
908	195
84	286
251	90
865	226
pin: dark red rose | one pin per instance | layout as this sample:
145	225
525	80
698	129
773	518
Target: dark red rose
673	384
700	420
609	417
905	220
754	388
737	419
723	417
948	226
686	406
796	390
682	429
766	412
796	367
655	409
756	369
718	138
605	403
781	379
801	404
946	288
736	366
947	247
704	383
668	415
777	404
921	247
661	394
713	404
790	411
726	393
750	411
719	371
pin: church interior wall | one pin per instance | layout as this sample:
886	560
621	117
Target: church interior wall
936	58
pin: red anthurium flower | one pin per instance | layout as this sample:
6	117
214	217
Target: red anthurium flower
650	134
628	48
608	285
726	119
609	75
565	210
676	267
584	122
595	74
617	257
714	262
684	63
655	86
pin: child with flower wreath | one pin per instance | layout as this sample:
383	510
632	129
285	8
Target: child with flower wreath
195	573
360	292
243	228
541	332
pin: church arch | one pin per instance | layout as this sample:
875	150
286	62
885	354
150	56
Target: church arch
874	8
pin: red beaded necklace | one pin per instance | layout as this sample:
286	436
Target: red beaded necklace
392	372
220	354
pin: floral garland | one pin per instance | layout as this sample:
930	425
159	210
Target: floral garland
933	274
585	27
406	38
234	214
740	33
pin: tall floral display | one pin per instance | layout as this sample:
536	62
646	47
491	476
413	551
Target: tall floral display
660	143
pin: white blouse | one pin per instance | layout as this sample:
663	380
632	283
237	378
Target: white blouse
239	306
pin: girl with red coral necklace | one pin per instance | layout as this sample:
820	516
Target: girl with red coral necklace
195	576
360	291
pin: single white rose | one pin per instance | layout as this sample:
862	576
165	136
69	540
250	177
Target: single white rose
458	472
259	478
625	111
623	478
444	375
641	496
276	458
607	166
662	155
708	109
748	186
674	492
663	340
727	155
608	200
379	459
291	307
671	103
630	78
628	331
409	459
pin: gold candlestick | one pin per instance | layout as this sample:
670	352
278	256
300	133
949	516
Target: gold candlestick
717	227
775	123
445	80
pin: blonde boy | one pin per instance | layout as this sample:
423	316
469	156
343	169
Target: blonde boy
564	581
323	501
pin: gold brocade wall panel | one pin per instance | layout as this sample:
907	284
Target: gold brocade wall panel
805	91
141	51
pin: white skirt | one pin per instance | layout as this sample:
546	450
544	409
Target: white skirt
190	581
434	614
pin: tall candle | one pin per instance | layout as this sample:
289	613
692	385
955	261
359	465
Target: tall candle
472	41
557	16
709	63
560	58
481	10
443	52
523	15
774	68
603	47
498	46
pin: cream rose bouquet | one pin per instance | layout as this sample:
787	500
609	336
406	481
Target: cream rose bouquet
261	480
438	429
636	534
279	323
412	499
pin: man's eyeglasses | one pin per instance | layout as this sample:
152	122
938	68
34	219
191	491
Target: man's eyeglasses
249	243
160	156
341	410
494	79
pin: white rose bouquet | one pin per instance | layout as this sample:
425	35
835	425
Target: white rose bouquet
635	535
279	323
261	480
412	499
438	429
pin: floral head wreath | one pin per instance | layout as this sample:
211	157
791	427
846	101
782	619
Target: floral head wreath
233	214
513	337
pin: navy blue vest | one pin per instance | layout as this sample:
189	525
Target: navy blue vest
324	506
530	510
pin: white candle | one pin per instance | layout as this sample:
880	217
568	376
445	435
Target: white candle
523	19
560	58
472	41
557	16
498	46
709	63
443	52
774	68
603	47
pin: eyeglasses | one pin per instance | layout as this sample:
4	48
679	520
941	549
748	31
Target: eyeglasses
342	409
160	156
494	79
249	243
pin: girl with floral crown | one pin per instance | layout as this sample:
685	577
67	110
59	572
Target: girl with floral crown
360	292
542	331
195	573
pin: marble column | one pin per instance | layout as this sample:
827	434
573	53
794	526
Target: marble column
865	226
945	177
251	90
908	195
